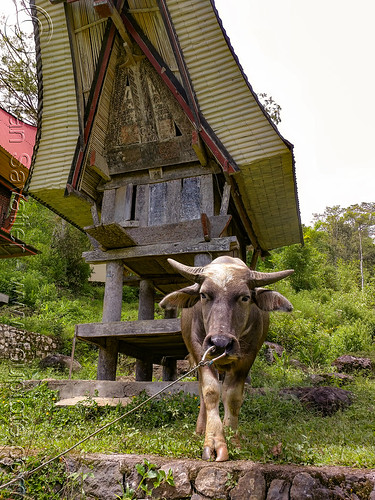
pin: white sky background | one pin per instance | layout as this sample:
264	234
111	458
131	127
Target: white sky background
316	59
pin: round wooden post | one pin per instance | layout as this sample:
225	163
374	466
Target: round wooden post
170	364
107	362
143	369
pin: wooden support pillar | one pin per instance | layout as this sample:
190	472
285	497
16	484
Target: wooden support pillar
143	369
107	362
170	364
254	258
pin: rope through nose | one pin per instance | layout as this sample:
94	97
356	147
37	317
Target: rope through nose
203	361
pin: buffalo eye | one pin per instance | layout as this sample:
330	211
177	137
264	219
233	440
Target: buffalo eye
203	296
245	298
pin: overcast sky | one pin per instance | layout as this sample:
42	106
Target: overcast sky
316	59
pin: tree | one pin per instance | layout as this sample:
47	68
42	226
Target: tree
18	80
271	107
350	234
362	220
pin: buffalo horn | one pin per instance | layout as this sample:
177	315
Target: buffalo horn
191	273
261	279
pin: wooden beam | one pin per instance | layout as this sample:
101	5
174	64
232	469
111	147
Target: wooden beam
99	164
144	328
105	8
198	146
222	245
225	199
115	235
206	227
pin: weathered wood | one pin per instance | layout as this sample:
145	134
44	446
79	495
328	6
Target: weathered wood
94	214
225	199
199	148
217	245
206	227
122	329
170	364
169	369
136	157
99	164
116	236
142	204
112	304
158	204
108	206
173	202
169	173
202	259
123	203
143	370
254	258
110	235
190	198
207	194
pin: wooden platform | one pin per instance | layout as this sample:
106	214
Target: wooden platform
147	340
150	261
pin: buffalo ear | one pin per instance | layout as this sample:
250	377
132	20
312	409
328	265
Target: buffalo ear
268	300
186	297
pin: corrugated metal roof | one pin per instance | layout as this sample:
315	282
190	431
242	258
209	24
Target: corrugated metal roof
266	179
59	120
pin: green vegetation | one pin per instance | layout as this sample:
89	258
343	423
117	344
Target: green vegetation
332	292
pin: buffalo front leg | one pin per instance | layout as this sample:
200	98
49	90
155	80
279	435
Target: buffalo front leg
232	398
214	441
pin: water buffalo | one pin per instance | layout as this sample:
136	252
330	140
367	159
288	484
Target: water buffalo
225	315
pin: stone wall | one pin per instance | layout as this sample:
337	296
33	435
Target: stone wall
21	345
104	477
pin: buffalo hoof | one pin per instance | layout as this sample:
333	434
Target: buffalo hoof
206	455
221	454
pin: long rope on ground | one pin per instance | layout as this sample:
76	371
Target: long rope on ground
26	474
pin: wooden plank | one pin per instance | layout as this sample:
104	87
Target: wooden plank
220	245
136	157
225	199
190	198
123	203
110	235
108	206
207	195
142	203
115	235
145	327
169	173
158	204
173	208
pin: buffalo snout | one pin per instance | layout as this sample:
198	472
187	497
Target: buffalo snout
221	343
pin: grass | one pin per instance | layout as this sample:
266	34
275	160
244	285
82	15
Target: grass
272	429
